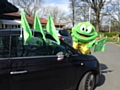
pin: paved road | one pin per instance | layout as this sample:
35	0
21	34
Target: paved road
110	67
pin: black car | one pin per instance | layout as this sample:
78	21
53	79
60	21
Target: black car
44	65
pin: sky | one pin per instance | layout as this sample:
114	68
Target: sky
57	1
64	4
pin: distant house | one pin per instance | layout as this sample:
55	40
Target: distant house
9	18
9	23
13	20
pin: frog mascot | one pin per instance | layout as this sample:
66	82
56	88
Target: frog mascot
84	36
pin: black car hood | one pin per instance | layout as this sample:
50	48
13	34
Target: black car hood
86	57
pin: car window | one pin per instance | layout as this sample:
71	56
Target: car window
35	47
63	32
51	45
4	46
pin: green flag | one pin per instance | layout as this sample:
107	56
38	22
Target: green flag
27	34
52	30
38	26
100	46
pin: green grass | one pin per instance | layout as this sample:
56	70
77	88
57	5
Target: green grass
118	43
109	39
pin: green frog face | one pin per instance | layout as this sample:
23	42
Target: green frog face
84	33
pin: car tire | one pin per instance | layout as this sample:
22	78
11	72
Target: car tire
87	82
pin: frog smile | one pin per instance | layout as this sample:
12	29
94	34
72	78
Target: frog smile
83	35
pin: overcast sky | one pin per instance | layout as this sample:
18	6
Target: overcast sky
57	1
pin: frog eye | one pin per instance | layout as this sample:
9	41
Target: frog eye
89	29
82	28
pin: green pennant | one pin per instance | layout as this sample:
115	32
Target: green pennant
38	26
100	45
52	30
27	33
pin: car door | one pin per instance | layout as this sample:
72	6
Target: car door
40	70
4	63
4	69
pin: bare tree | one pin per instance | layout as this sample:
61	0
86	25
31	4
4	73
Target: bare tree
115	14
30	6
73	7
79	11
96	5
57	14
82	11
112	15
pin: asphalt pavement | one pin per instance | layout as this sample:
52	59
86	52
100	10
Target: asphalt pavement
110	67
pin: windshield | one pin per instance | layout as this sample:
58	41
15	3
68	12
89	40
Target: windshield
63	32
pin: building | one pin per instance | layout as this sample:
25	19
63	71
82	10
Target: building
13	20
9	18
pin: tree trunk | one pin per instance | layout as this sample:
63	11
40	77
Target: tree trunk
73	13
73	18
97	20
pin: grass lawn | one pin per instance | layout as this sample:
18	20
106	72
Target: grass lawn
109	39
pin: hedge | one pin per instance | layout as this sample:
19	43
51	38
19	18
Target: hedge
110	34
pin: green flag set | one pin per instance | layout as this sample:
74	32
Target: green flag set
100	45
38	26
51	29
27	33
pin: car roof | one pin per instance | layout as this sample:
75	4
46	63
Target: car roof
18	31
12	31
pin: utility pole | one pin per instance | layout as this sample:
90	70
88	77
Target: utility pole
89	13
110	25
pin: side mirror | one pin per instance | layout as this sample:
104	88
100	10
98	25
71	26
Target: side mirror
60	57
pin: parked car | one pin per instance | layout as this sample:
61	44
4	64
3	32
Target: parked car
40	65
65	36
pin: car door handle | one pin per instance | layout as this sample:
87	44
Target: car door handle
18	72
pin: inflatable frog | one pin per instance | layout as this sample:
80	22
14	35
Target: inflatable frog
83	36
